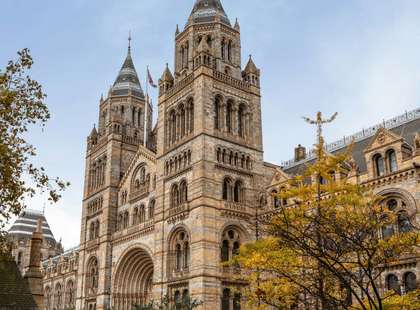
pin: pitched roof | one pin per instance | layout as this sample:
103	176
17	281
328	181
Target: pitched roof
167	75
14	291
26	224
406	128
127	79
207	11
251	67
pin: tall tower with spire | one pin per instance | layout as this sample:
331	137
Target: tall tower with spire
209	108
111	147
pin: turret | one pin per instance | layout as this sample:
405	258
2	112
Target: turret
251	73
166	82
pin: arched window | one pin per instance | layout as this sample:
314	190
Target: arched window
217	104
152	209
92	276
174	196
388	229
241	121
392	204
410	282
404	224
378	162
70	296
227	189
226	299
177	300
135	216
191	115
183	190
97	227
92	231
181	249
230	245
392	161
238	192
19	258
142	214
126	219
229	111
223	48
182	120
393	284
230	51
58	296
47	298
275	199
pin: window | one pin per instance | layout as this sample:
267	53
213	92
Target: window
392	161
378	165
152	209
230	245
392	204
388	229
183	189
142	214
229	111
174	196
276	200
58	296
241	121
237	301
19	259
70	296
410	282
97	229
226	299
181	248
93	275
92	231
217	113
227	189
126	220
238	192
404	224
393	284
47	298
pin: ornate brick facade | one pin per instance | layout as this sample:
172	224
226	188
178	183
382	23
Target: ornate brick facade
162	208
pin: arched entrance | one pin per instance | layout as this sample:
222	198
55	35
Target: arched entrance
133	280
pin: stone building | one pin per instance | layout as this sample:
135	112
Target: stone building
163	206
20	234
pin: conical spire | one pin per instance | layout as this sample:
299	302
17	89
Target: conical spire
207	11
167	75
127	79
251	67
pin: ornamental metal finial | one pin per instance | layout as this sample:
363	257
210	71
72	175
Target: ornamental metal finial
129	41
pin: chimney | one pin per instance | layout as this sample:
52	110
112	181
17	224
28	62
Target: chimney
33	275
300	153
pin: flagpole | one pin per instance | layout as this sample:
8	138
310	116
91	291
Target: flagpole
146	108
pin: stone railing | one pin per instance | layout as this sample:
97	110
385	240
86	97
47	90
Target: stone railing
181	84
140	192
359	136
230	80
179	209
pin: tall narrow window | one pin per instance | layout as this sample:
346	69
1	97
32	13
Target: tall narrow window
238	191
227	189
226	299
410	282
404	224
379	165
393	284
241	132
229	110
217	113
392	161
276	200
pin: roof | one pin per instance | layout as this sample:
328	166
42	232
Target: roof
406	126
167	75
251	67
127	80
208	11
14	291
26	224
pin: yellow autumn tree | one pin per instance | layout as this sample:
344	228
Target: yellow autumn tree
325	250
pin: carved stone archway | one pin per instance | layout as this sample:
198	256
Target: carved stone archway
133	280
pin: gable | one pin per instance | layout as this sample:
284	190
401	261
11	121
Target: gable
382	138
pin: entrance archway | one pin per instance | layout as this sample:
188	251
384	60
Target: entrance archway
133	280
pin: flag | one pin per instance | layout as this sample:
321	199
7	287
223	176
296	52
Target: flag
150	79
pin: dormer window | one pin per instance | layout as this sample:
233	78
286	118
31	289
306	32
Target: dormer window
392	161
378	162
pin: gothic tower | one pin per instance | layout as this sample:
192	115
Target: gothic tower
210	158
110	149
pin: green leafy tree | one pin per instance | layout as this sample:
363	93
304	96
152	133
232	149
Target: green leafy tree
324	250
21	106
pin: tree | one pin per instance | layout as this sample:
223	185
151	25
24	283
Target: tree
21	106
325	250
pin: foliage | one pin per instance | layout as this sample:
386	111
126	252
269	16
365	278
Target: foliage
21	106
325	248
187	303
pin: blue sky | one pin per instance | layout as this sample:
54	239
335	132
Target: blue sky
360	58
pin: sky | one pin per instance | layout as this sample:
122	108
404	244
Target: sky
360	58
